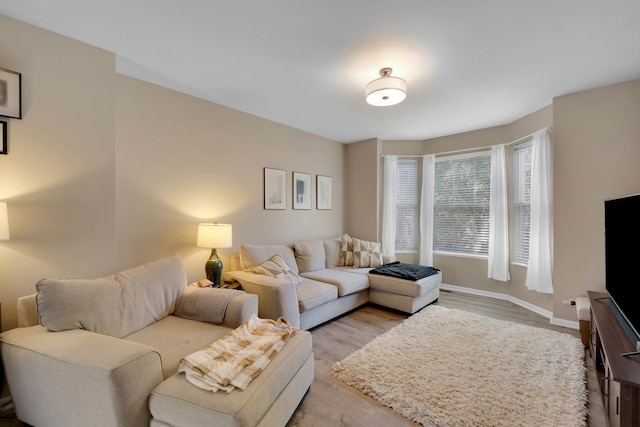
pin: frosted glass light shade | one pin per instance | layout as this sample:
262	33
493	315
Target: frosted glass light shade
212	236
4	222
386	90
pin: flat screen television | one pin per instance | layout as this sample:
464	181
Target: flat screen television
622	258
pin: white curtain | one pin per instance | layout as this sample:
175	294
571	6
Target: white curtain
426	209
389	206
498	217
539	266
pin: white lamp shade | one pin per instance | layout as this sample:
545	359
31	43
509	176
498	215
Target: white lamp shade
4	222
214	236
386	90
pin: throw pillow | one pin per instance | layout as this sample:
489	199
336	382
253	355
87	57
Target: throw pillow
332	252
252	256
366	254
309	255
346	250
277	267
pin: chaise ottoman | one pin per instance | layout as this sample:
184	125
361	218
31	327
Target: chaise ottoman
404	295
269	400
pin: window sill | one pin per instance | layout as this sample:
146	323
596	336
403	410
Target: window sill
458	255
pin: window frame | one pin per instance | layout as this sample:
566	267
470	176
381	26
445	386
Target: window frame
521	179
484	240
415	206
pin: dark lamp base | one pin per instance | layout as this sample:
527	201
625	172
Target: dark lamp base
213	268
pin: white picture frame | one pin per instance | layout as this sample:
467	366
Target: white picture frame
301	191
324	192
275	189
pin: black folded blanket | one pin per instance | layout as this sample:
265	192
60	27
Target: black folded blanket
405	271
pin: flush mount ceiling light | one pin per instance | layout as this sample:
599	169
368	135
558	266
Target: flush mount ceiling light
386	90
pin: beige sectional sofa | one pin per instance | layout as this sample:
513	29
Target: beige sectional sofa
315	280
105	352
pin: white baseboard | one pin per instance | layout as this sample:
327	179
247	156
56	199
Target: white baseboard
496	295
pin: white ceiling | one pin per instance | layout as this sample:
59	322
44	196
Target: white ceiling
468	64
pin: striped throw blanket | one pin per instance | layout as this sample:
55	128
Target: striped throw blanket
238	357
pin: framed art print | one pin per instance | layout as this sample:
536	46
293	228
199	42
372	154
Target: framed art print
10	94
324	192
301	190
4	144
275	189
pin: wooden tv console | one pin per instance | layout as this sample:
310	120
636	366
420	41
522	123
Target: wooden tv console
619	376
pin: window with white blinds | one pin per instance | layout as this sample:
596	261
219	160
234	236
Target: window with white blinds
461	204
407	207
521	202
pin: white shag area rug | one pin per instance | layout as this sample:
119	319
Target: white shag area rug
445	367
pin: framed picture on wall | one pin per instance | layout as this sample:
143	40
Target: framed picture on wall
275	189
301	190
324	192
10	94
4	144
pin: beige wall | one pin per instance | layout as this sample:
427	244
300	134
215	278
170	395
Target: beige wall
596	157
58	177
181	160
105	171
362	186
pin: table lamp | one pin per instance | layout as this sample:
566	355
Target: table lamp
214	236
4	222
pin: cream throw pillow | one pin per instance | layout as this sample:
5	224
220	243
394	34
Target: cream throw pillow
366	254
309	255
277	267
346	250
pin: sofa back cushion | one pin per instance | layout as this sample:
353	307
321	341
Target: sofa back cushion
309	255
251	256
115	305
332	249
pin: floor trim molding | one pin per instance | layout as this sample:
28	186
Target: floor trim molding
496	295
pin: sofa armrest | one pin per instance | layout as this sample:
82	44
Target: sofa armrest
225	307
240	309
78	377
276	297
27	311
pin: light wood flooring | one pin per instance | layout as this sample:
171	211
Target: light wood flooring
330	403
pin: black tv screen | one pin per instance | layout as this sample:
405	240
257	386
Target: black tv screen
622	240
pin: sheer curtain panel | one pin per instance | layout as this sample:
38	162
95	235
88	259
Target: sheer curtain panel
498	217
539	266
426	209
389	206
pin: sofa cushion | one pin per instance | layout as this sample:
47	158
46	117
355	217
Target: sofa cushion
312	294
348	283
170	339
115	305
252	256
346	250
366	254
332	252
277	267
309	255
